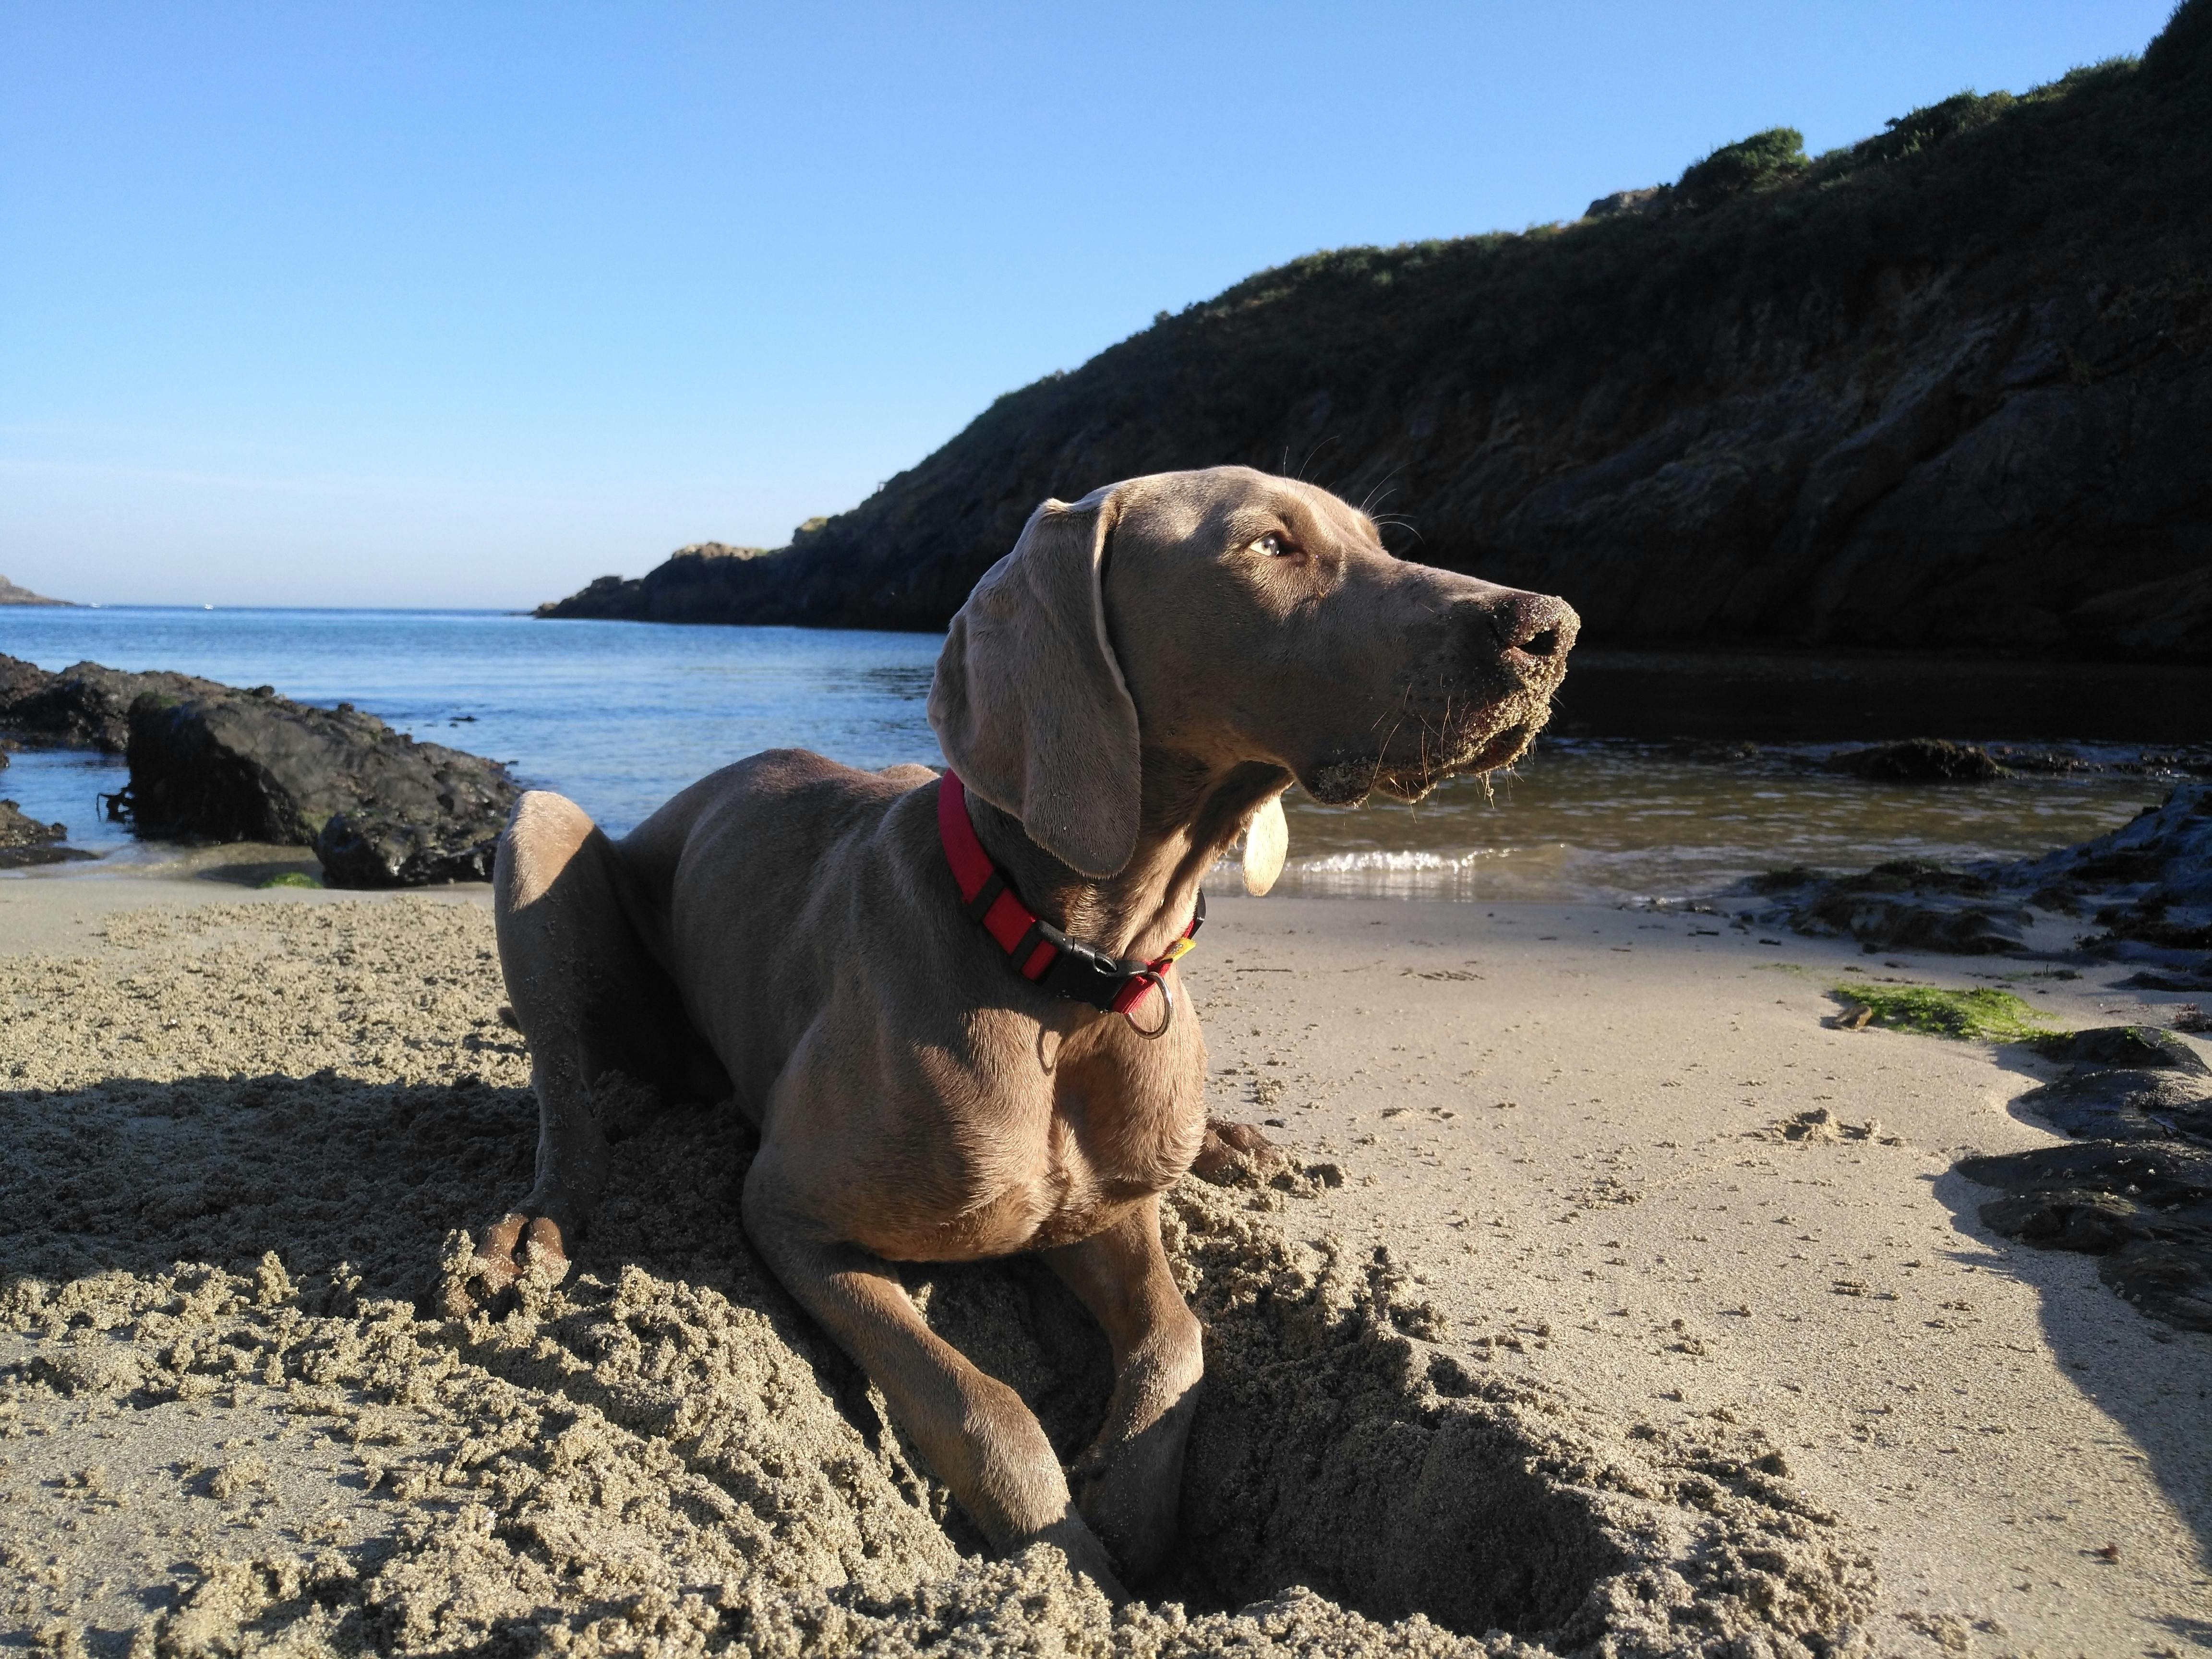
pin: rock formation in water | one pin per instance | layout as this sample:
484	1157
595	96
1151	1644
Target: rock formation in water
211	763
24	840
2142	893
1919	760
84	705
379	809
11	594
1950	387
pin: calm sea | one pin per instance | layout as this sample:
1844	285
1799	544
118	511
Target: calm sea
620	715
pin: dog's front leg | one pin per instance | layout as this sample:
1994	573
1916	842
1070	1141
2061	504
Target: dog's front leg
974	1431
1129	1481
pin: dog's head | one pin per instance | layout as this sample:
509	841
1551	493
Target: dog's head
1226	618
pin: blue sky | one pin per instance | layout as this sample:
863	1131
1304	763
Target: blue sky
466	304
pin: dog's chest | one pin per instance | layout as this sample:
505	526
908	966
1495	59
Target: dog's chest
1034	1162
1117	1133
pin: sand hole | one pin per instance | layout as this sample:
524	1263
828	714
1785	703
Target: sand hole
1336	1448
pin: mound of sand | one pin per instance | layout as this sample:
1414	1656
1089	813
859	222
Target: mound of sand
240	1145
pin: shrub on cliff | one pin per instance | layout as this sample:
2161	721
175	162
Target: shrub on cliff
1763	158
1931	124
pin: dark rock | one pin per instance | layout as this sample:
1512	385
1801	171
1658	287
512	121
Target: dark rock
2083	1218
2149	884
1908	904
2055	762
2149	982
377	848
1652	198
381	809
2153	877
25	840
2137	1188
85	706
2122	1103
1786	881
2144	1048
1919	760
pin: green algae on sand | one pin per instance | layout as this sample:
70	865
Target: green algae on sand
1985	1014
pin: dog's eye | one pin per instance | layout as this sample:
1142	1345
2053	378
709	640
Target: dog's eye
1272	546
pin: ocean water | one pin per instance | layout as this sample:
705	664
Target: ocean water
620	715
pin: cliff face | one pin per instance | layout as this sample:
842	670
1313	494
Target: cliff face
1949	388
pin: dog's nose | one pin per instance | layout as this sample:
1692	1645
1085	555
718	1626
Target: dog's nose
1532	629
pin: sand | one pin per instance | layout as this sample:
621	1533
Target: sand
1626	1306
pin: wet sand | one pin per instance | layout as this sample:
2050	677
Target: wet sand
1585	1325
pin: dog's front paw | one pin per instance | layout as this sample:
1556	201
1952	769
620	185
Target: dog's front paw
512	1249
1237	1152
1131	1491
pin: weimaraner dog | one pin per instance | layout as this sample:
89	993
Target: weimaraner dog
953	1012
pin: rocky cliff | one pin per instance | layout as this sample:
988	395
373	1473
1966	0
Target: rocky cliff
1950	387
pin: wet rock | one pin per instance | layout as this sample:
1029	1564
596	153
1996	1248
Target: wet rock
2125	1083
2190	982
2144	1048
2056	762
1920	760
379	809
2148	884
2137	1189
1911	905
24	840
85	706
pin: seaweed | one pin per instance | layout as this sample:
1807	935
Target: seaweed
1983	1015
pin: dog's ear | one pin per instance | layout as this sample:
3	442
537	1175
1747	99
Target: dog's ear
1029	702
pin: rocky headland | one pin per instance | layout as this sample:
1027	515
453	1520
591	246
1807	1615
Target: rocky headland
1948	388
12	594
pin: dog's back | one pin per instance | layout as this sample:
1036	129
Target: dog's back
735	881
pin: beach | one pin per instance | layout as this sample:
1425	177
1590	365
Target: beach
1666	1280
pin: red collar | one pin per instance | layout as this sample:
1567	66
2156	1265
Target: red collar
1037	950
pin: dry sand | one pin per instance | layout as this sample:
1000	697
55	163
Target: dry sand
1596	1346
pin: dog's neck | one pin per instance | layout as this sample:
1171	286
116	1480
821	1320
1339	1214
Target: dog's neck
1189	816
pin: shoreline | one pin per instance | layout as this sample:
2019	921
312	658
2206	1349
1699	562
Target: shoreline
1569	1125
1583	822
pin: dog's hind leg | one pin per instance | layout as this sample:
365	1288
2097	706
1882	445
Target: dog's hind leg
590	1001
1128	1483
